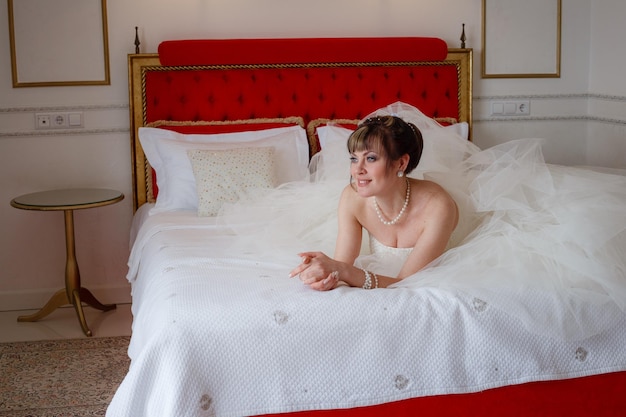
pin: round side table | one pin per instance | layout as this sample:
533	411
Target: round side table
69	200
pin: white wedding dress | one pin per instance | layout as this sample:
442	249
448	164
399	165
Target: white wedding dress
544	243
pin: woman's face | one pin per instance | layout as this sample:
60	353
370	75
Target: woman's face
370	172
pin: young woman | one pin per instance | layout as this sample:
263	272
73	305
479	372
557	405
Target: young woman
542	243
411	217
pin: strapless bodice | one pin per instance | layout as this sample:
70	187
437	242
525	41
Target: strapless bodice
380	249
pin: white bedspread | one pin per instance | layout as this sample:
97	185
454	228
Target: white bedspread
218	336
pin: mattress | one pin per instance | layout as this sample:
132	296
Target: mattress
220	335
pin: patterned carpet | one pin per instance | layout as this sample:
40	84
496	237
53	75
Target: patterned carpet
61	378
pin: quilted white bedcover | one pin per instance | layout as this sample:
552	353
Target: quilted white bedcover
218	336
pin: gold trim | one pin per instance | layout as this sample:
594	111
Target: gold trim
449	120
556	74
296	120
142	188
105	47
315	123
140	64
463	58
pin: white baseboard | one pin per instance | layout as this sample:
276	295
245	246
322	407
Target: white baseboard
35	299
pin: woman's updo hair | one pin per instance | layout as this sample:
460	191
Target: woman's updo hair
390	136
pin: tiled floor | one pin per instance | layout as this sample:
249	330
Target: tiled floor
63	324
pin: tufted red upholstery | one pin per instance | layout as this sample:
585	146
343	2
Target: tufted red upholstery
326	89
336	92
331	78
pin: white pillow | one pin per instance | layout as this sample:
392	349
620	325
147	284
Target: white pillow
330	133
225	176
460	128
434	156
166	151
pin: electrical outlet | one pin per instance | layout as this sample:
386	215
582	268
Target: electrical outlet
510	108
522	107
42	121
59	120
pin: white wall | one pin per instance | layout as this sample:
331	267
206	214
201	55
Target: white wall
606	144
31	243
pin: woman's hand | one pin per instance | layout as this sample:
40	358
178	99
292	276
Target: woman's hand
317	270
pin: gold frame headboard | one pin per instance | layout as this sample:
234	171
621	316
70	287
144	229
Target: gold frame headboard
138	64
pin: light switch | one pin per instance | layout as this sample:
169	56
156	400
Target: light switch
509	108
497	108
75	119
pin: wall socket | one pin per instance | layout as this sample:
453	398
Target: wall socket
59	120
510	108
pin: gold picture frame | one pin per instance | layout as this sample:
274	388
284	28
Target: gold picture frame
58	42
521	39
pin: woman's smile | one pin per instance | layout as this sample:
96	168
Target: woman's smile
363	182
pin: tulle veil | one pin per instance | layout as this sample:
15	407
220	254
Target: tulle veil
544	243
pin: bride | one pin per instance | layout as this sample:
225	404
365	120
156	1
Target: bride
543	243
382	151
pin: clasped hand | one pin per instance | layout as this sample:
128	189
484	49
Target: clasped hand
317	270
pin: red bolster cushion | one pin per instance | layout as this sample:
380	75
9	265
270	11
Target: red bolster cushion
300	50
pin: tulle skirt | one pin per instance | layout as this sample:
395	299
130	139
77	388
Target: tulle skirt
544	243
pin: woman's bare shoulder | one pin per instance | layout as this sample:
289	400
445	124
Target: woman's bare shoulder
430	187
349	194
437	197
351	201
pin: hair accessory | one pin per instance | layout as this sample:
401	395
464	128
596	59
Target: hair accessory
414	129
373	120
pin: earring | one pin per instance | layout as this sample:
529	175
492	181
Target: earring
400	174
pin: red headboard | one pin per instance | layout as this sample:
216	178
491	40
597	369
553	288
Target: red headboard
346	78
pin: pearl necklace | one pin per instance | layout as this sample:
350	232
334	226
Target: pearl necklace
404	206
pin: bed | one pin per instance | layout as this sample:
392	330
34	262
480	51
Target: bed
219	333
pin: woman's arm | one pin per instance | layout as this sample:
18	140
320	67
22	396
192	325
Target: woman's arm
323	273
439	220
350	231
318	270
441	217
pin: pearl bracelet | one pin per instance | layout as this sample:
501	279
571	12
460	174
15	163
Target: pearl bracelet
367	285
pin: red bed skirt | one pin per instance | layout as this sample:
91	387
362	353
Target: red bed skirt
592	396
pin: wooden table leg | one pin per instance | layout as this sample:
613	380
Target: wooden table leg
88	298
59	299
73	293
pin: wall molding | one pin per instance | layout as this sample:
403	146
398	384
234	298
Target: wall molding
64	132
44	109
588	97
619	99
104	112
596	96
584	118
125	106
